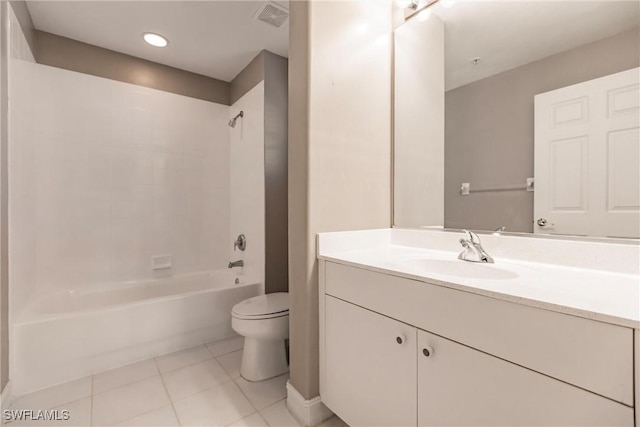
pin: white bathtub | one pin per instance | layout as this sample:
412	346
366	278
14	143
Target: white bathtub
73	334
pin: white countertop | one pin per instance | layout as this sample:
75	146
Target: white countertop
590	293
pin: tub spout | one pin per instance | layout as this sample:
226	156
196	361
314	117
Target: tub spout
239	263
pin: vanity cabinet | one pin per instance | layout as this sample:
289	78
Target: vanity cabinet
458	385
371	366
395	351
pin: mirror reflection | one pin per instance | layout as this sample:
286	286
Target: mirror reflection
519	116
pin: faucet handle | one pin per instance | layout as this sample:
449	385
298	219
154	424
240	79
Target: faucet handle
472	237
240	243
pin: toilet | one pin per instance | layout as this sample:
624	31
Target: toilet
263	321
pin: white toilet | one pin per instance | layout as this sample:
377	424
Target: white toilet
264	323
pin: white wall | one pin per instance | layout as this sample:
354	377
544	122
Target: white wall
18	46
248	182
339	148
418	195
106	174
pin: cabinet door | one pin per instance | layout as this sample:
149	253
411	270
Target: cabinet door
369	367
458	385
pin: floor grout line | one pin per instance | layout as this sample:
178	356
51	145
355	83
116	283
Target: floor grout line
224	339
175	413
245	396
185	366
123	385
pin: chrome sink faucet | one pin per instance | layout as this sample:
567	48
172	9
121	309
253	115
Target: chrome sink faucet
473	250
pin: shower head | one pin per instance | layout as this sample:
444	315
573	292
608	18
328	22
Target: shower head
232	122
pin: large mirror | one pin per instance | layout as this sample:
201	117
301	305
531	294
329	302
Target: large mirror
520	116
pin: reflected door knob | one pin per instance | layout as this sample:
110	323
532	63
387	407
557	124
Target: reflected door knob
542	222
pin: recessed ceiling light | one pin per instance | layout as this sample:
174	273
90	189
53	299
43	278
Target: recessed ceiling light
155	39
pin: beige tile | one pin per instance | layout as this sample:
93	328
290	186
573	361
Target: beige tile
254	420
218	406
231	363
182	358
125	375
79	413
55	396
120	404
194	378
277	415
226	346
264	393
163	417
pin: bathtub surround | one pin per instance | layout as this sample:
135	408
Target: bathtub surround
246	171
112	175
499	126
339	151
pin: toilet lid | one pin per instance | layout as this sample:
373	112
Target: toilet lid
263	305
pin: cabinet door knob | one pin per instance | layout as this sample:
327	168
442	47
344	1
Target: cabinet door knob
400	339
427	351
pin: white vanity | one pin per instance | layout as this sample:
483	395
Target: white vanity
410	335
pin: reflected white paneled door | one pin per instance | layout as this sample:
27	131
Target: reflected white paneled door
370	359
587	158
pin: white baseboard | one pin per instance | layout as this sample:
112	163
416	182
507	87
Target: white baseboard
309	413
5	400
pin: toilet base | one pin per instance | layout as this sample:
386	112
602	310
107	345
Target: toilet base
263	359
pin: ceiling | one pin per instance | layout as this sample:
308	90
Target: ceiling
507	34
213	38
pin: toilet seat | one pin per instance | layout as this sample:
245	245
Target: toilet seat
268	306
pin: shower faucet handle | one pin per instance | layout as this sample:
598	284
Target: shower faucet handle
240	243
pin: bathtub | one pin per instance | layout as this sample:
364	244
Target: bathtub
72	334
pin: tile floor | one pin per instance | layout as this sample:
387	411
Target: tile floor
199	386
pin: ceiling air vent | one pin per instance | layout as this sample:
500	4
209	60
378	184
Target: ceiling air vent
272	14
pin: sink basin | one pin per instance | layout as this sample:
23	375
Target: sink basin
459	268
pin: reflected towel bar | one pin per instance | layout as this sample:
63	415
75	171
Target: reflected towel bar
465	188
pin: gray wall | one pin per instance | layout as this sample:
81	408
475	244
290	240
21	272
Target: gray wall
77	56
489	131
276	144
273	69
246	79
